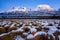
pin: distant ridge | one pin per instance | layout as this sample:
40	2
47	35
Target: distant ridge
29	15
41	12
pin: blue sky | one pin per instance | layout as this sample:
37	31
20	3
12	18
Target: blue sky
7	4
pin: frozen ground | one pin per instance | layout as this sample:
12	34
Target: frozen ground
31	29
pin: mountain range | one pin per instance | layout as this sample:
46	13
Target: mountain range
23	12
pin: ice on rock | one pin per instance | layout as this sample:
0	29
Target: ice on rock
4	23
30	36
4	34
33	30
30	24
59	30
19	38
59	37
34	26
29	27
9	22
25	33
45	23
56	25
13	31
7	25
38	22
20	30
12	25
40	33
18	24
52	29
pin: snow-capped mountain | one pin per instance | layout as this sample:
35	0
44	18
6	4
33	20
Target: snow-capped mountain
40	10
14	9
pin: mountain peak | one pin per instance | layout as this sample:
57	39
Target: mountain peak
23	9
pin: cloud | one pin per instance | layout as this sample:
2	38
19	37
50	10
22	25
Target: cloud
44	7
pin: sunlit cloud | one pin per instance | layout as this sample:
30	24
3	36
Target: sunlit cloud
44	7
37	8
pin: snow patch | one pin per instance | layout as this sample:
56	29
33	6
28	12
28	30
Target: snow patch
59	37
30	36
33	30
19	38
39	33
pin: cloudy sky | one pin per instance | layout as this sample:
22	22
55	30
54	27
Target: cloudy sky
7	4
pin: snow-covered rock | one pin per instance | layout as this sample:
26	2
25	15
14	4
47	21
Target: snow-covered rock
44	23
33	30
40	33
30	36
12	25
59	37
25	33
18	38
20	30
